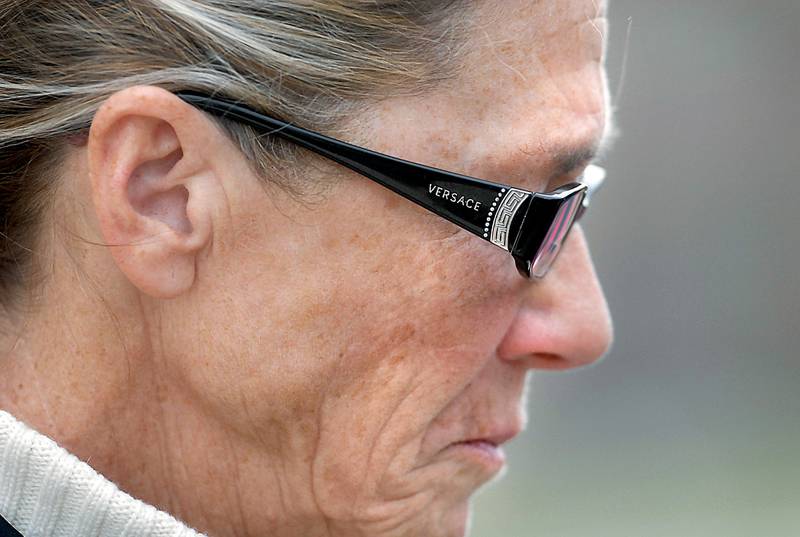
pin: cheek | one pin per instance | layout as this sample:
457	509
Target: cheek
410	283
411	314
418	332
414	298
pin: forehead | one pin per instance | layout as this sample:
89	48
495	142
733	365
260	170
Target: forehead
551	30
531	84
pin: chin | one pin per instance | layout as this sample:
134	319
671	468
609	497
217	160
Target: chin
456	521
441	518
449	513
446	520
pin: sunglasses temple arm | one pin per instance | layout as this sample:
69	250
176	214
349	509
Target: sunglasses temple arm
470	203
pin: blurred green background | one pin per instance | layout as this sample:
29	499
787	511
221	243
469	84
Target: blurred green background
691	426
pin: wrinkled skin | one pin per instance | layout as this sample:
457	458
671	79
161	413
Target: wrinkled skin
263	366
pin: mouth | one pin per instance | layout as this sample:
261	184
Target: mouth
485	451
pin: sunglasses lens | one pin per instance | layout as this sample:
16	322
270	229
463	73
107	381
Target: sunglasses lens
556	235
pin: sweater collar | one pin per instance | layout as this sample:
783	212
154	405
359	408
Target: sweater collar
45	490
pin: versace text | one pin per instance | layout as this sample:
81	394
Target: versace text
454	197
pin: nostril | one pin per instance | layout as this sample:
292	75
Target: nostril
552	362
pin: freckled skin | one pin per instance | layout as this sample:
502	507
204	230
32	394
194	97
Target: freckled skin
326	354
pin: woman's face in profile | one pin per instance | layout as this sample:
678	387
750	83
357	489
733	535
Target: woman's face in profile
366	359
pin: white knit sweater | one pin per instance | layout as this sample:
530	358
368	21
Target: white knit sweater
47	492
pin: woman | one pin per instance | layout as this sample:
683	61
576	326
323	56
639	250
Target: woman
252	338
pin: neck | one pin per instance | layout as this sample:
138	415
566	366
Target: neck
95	383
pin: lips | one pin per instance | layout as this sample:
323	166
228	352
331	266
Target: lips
478	444
494	438
483	454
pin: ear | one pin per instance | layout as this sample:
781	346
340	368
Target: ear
154	186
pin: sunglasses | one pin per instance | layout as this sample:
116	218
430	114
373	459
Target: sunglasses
531	226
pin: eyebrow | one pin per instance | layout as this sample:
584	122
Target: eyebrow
569	159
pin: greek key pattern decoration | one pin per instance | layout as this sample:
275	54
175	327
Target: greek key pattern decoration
503	209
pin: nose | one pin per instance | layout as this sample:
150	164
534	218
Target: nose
563	320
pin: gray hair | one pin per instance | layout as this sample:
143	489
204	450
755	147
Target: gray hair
306	61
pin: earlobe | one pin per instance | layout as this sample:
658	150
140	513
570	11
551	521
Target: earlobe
151	183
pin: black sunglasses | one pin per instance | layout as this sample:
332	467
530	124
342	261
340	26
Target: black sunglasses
532	226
